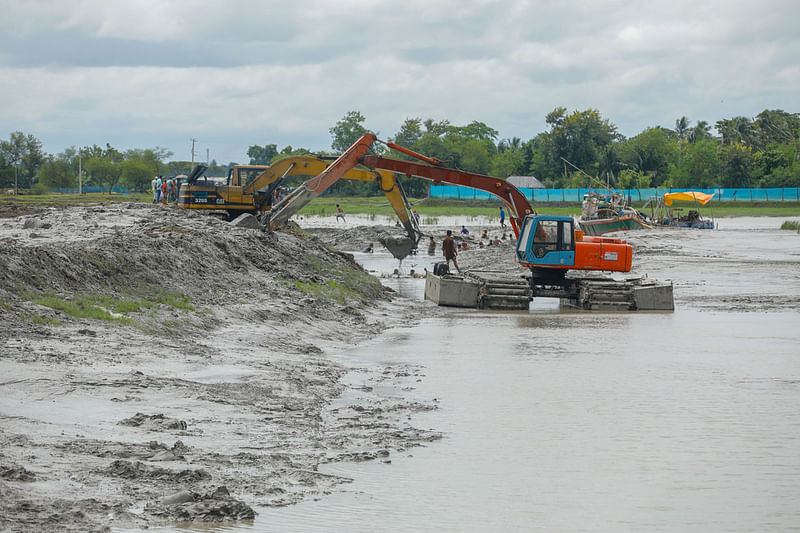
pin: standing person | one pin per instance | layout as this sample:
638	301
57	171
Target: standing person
154	189
158	189
449	250
339	213
416	216
164	191
502	217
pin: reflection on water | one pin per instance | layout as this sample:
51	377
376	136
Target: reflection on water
570	421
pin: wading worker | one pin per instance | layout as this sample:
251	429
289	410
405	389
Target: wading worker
432	247
449	250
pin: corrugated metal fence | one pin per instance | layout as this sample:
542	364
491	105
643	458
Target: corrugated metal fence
778	194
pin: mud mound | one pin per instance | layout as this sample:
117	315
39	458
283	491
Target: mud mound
140	471
10	211
216	506
155	250
16	473
157	422
61	515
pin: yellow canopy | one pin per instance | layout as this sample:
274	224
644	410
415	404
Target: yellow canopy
688	196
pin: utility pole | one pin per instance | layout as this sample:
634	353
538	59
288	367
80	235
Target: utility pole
207	156
193	141
80	173
16	170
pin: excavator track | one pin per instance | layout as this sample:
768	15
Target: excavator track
484	289
607	294
496	291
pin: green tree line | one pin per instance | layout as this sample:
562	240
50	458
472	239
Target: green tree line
763	151
24	164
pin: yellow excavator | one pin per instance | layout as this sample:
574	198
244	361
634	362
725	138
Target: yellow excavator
250	188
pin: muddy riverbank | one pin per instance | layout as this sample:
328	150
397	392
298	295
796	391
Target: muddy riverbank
160	366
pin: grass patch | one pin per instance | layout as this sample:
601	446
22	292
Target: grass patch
45	321
81	307
331	289
108	308
791	224
312	288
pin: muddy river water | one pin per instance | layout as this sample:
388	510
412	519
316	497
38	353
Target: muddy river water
555	420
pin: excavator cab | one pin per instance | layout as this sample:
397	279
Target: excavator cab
548	245
547	240
241	175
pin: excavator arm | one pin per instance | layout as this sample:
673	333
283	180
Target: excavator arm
516	202
305	165
325	175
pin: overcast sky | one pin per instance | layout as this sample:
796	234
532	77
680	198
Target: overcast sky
233	73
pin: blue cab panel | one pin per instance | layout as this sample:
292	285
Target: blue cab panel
547	240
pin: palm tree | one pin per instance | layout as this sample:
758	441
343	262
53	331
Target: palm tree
776	125
609	163
682	127
702	130
739	130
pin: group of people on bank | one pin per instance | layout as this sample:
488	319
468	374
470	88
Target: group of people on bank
165	190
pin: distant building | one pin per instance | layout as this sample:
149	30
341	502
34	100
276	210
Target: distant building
528	182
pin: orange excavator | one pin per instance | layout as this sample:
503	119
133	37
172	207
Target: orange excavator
549	245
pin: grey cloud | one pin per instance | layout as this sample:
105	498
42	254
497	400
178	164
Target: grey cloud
73	49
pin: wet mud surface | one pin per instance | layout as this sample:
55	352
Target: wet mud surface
205	394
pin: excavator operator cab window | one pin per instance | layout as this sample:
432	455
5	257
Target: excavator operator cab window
552	236
249	174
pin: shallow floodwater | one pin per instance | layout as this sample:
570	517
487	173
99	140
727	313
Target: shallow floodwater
571	421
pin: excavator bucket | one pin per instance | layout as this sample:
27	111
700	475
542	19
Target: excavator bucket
399	247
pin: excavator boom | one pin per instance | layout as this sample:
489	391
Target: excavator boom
516	202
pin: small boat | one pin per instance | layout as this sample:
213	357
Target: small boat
606	212
663	214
